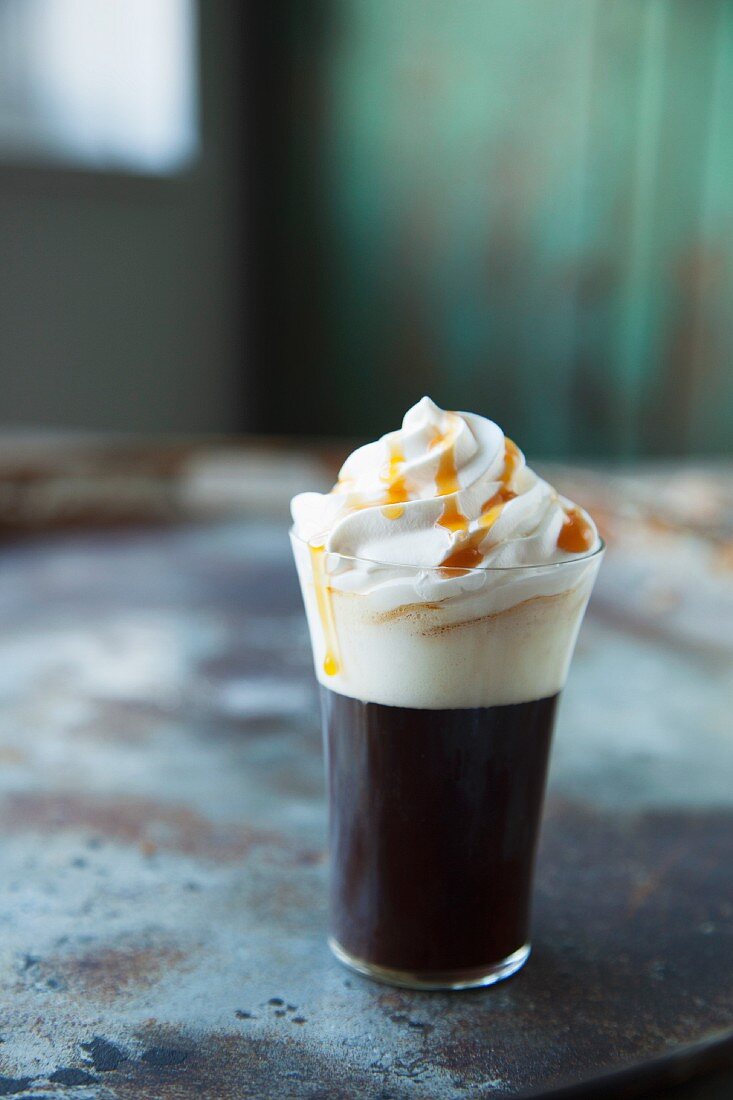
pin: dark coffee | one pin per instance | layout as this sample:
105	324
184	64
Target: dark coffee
434	816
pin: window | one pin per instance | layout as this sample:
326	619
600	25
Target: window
103	84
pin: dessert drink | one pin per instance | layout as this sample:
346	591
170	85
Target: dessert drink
444	584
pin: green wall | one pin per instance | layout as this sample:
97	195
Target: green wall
526	208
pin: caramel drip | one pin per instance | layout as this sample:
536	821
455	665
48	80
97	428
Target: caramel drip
446	478
468	554
452	518
393	511
397	491
325	610
392	473
502	496
504	493
576	534
511	460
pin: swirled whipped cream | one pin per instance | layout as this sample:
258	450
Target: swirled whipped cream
448	489
429	539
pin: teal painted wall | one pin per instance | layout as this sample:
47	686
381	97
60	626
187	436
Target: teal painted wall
526	208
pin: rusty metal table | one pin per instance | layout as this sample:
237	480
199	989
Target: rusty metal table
162	866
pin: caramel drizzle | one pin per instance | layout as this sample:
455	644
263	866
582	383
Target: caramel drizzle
576	534
468	555
397	491
446	477
504	493
575	537
323	601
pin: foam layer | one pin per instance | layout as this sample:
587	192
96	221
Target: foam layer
508	640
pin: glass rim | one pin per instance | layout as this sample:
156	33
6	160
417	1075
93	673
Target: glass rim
459	570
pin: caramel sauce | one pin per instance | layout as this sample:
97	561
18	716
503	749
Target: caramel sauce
446	479
397	491
452	518
511	460
469	555
501	496
576	534
504	493
488	519
323	601
395	462
446	476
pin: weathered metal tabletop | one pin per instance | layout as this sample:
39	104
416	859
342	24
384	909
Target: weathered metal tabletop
162	866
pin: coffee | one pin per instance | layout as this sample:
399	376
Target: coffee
444	583
434	816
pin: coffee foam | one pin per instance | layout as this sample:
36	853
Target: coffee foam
484	638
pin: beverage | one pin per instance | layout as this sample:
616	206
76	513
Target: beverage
434	890
444	585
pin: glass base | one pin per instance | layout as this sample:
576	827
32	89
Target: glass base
471	978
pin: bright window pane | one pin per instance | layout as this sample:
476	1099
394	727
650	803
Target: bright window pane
100	83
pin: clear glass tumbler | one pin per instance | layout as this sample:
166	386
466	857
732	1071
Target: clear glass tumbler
439	691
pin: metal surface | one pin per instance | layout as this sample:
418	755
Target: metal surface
162	870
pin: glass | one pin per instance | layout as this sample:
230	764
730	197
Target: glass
439	691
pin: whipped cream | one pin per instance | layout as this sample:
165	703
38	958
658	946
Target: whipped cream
415	558
447	489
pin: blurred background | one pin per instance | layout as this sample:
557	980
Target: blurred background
299	217
236	236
